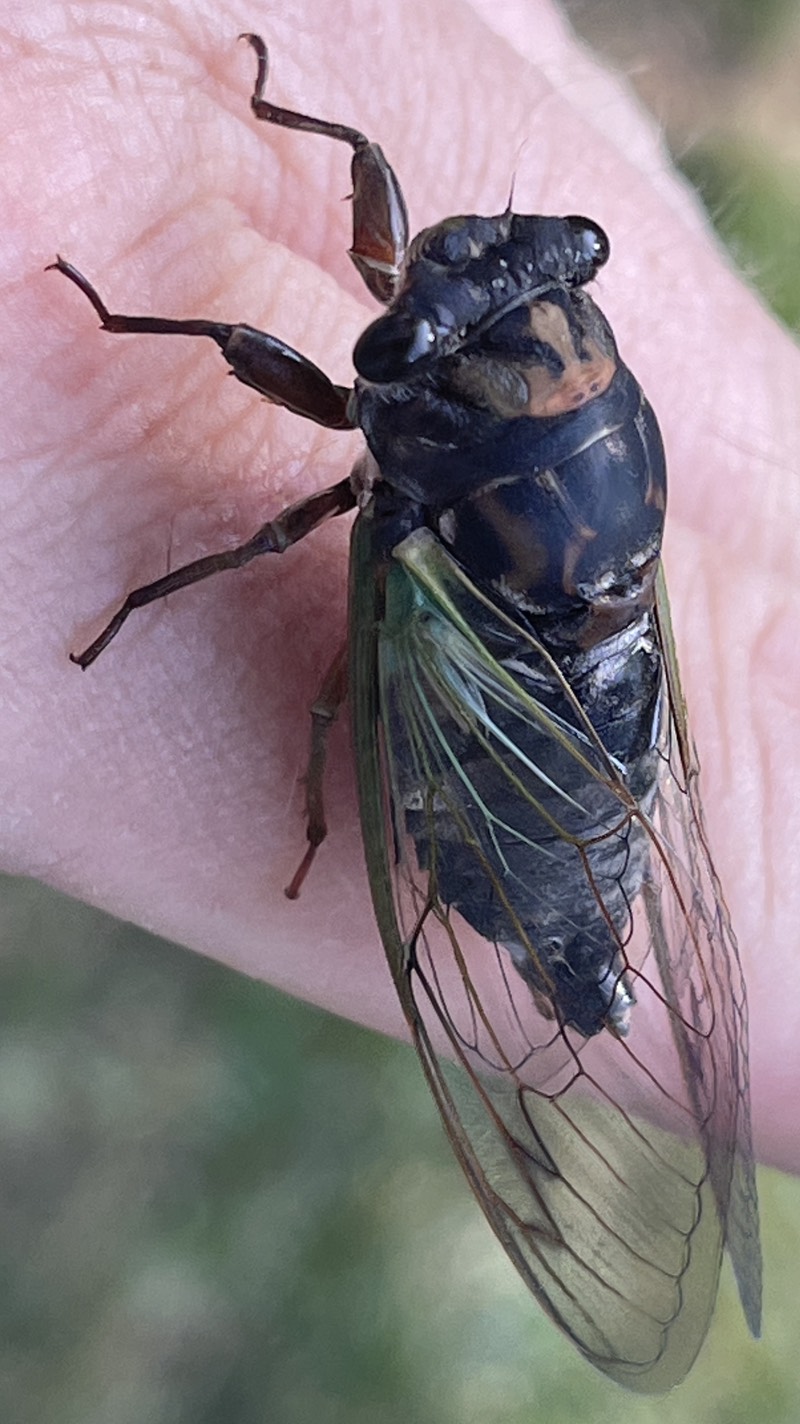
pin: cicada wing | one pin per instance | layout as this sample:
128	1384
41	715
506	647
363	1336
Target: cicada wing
605	1168
698	955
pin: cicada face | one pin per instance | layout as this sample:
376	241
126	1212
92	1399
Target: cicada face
528	789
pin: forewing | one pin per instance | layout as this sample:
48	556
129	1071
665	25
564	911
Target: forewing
610	1168
697	951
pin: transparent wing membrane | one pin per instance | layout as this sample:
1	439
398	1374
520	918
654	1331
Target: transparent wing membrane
614	1163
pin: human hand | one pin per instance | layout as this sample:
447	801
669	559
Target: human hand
165	783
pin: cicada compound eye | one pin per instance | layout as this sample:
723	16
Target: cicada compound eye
591	247
387	350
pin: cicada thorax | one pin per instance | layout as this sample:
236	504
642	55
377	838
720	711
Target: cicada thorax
531	453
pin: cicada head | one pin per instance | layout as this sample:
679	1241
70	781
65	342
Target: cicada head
467	273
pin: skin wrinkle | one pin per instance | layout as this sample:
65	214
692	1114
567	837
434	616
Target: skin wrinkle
779	643
777	830
258	640
702	505
765	861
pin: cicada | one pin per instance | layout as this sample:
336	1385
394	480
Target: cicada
537	858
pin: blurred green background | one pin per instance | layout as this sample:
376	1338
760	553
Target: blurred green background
221	1205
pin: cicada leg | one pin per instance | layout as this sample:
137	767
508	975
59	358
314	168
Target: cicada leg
380	220
287	379
255	357
324	712
292	525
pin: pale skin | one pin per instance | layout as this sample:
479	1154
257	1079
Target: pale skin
165	783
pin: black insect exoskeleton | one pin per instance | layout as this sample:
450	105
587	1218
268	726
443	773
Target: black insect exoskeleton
528	787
